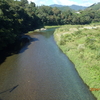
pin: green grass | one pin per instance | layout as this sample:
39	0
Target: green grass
82	46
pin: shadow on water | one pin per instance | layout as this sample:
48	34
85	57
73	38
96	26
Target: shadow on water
19	47
25	47
22	44
10	90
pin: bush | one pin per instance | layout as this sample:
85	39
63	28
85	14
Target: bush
81	47
92	47
62	40
78	32
90	40
98	54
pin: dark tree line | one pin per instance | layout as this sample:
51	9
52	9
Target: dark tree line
18	17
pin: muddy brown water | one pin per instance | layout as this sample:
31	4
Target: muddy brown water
40	71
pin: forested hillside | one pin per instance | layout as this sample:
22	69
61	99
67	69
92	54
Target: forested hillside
65	8
54	16
18	17
76	7
95	6
72	7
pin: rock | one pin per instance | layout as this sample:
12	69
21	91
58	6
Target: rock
42	29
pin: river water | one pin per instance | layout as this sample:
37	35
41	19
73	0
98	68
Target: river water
40	71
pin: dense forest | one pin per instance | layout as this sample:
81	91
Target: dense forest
18	17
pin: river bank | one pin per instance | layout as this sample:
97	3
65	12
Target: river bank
81	44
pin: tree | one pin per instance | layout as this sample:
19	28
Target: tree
16	20
24	3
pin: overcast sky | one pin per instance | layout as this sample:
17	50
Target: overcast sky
65	2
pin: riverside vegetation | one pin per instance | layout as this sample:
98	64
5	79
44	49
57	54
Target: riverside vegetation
81	44
20	16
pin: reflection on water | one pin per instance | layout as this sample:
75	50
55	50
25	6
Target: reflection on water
48	33
26	46
41	72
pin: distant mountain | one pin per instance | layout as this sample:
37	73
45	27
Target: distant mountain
56	5
74	7
95	6
61	7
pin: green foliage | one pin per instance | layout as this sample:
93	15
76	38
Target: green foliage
90	40
55	16
24	2
62	41
65	8
98	54
95	6
16	18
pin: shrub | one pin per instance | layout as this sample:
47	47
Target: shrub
98	54
78	32
62	40
92	47
81	47
81	55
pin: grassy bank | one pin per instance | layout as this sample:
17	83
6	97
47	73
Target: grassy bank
82	45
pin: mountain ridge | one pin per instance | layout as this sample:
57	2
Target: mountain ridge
73	7
95	6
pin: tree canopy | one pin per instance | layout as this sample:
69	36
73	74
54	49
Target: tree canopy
18	17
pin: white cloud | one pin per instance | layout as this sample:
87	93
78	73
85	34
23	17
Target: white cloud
85	0
86	4
56	1
96	1
70	2
35	1
39	2
89	2
42	2
65	2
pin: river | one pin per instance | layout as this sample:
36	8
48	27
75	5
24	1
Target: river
40	71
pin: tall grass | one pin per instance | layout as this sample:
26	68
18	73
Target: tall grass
82	46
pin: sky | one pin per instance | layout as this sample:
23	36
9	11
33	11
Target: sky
65	2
